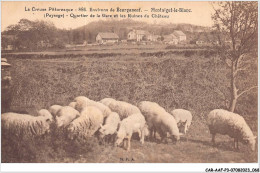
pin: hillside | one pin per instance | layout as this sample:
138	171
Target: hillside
122	27
41	35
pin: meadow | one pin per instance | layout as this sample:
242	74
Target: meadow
194	80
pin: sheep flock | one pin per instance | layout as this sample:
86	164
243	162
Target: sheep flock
117	121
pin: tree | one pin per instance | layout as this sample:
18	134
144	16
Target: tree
238	21
35	34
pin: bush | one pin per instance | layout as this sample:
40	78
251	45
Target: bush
53	147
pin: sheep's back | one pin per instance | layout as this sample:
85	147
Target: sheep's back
181	115
133	123
228	123
23	124
88	122
123	109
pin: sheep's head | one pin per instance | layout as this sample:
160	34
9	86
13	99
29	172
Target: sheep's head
73	104
60	121
251	143
81	103
146	130
181	125
66	115
120	137
102	131
175	138
45	113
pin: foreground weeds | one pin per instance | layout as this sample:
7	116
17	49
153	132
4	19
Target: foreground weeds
53	147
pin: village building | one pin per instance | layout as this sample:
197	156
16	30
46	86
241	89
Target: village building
206	39
170	39
137	35
107	38
153	38
180	35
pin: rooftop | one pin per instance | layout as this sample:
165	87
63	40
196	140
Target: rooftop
179	33
108	35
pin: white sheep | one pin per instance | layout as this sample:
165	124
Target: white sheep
72	104
183	118
45	113
123	109
82	102
110	126
87	124
228	123
54	109
107	101
65	115
135	123
25	124
159	120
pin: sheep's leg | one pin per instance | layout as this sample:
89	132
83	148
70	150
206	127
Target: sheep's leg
151	134
213	139
142	137
237	143
124	143
185	128
154	135
139	133
129	143
163	136
113	138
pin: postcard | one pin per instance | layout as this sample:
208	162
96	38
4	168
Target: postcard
130	82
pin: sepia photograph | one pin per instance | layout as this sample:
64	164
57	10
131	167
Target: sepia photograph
129	82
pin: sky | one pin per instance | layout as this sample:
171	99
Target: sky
12	12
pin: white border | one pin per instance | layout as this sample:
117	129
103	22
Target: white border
127	167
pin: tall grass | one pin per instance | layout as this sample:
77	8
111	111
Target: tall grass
191	80
52	147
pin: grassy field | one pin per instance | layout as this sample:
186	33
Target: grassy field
123	48
193	81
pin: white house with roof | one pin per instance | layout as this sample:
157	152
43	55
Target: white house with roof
107	37
137	35
180	35
170	39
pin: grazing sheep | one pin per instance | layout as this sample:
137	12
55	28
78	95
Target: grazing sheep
146	130
110	126
135	123
45	113
183	118
54	109
159	120
82	102
87	124
107	101
123	109
65	115
231	124
25	124
73	104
